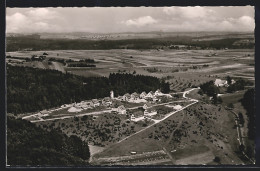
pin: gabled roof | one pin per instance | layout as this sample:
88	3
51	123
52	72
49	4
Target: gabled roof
127	95
135	94
151	92
95	101
143	93
122	107
219	81
106	99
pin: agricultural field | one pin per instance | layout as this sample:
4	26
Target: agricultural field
186	135
181	68
99	130
203	133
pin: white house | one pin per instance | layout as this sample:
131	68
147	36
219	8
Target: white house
150	95
75	109
95	102
143	94
134	96
177	107
126	97
220	83
146	106
121	110
106	101
158	93
132	117
150	112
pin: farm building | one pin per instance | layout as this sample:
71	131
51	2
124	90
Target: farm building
121	110
43	113
146	106
150	95
158	93
95	102
120	97
220	83
143	94
85	106
126	97
150	112
134	96
134	119
177	107
106	101
75	109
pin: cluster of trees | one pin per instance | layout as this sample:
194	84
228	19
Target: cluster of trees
31	145
129	83
57	60
238	85
78	64
209	88
33	89
18	43
248	101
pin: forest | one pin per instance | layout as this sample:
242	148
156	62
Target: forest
33	89
29	145
248	101
24	42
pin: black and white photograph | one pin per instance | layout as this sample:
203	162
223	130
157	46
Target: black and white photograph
130	86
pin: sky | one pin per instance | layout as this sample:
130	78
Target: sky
130	19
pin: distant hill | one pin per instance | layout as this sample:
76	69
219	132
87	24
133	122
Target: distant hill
28	145
149	40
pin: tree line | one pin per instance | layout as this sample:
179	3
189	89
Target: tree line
34	89
248	101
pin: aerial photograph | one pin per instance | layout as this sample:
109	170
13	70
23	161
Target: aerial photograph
130	86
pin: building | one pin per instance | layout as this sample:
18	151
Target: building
150	112
106	101
121	110
177	107
112	94
134	96
150	95
220	83
132	117
126	97
75	109
143	94
95	102
158	93
146	106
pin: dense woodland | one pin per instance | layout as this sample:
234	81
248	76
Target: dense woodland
248	102
32	146
32	89
25	42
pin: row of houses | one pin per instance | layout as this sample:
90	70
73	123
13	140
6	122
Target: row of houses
143	97
78	107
